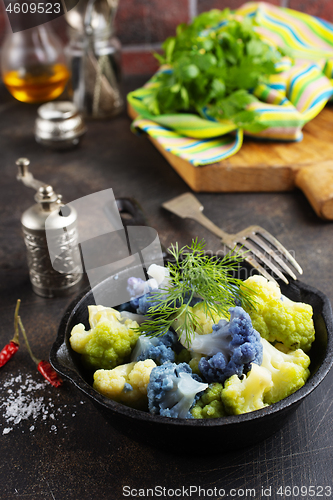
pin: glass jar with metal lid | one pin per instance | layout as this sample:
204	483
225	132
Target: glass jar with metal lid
94	55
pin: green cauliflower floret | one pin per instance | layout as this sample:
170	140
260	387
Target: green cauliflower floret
210	404
192	358
246	394
110	340
183	356
277	318
289	371
126	384
194	363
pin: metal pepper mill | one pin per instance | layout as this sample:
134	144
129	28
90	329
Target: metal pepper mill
50	275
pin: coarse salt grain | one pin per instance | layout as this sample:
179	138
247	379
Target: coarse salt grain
24	404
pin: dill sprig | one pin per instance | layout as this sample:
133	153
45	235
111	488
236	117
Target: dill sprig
194	274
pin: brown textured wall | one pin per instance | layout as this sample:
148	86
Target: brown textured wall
142	25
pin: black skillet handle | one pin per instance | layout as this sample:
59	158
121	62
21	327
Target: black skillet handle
132	214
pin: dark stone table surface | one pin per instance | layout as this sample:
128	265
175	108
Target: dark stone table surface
61	448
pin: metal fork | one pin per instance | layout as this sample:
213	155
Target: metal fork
256	242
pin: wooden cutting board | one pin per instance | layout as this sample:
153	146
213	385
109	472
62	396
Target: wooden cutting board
271	166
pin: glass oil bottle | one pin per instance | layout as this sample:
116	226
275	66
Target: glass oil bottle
33	65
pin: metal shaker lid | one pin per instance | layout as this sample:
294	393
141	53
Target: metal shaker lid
59	124
60	217
48	203
92	17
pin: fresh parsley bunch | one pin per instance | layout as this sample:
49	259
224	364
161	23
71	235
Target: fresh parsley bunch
215	63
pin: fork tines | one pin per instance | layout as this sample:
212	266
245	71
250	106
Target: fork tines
260	244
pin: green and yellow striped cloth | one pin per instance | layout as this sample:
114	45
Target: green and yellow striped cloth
293	96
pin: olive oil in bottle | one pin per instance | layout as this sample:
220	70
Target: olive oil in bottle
37	84
33	65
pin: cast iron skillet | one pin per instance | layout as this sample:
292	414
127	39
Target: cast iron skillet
226	433
223	434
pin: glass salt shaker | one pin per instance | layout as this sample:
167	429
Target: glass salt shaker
94	57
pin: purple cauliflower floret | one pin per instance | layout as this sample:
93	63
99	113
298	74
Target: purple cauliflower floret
146	301
159	349
141	293
173	390
135	286
231	347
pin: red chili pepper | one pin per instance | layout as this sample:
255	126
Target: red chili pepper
48	373
8	352
43	366
10	349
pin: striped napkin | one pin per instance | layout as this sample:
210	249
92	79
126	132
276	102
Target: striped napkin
292	97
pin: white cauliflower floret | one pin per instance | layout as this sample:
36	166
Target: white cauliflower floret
78	337
203	321
160	274
289	371
126	384
247	394
101	313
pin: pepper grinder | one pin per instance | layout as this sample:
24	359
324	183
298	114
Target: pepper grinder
50	275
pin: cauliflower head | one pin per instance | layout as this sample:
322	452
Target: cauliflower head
277	318
210	404
289	371
230	348
126	384
110	340
247	394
